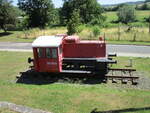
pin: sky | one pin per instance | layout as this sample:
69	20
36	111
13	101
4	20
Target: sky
58	3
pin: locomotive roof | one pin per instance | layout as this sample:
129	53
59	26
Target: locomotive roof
47	41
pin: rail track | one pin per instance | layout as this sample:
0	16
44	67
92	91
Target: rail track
125	76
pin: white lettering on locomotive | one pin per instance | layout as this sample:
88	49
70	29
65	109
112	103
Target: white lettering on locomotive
51	63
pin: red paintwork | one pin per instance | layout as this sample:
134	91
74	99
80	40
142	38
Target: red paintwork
72	48
44	64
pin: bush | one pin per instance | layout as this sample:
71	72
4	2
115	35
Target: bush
96	31
81	28
126	14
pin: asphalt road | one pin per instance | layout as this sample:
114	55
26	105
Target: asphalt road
121	50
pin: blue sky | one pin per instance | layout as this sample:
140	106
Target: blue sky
58	3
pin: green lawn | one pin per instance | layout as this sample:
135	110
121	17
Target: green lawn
66	97
2	110
14	36
140	15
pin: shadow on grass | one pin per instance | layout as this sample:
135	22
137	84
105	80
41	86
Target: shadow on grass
139	110
5	34
31	77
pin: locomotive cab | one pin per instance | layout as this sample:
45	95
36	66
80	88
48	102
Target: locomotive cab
47	52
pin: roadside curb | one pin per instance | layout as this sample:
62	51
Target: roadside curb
127	44
106	42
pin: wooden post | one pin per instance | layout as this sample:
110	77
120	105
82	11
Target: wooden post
104	36
134	37
119	31
149	25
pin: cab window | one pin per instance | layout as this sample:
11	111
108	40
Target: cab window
54	53
40	52
48	53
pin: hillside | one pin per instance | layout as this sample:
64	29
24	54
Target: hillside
129	3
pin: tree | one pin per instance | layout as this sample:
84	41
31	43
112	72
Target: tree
55	17
145	6
39	12
73	23
126	14
147	1
90	11
8	15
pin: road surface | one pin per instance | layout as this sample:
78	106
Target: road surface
121	50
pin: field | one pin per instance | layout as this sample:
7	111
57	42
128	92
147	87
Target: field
138	36
68	97
140	16
113	33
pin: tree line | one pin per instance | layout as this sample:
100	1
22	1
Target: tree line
73	13
143	6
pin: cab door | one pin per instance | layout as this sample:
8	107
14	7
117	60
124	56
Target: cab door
52	60
41	59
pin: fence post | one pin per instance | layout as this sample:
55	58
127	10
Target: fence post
134	37
104	35
119	31
149	25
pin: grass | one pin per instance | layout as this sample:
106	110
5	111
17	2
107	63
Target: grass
138	35
29	35
69	98
135	36
140	15
3	110
140	64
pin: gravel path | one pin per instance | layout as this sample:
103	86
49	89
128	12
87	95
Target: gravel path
20	108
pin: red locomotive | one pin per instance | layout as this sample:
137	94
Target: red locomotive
69	54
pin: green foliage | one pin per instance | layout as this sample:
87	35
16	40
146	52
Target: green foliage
81	28
147	0
55	17
89	10
114	8
96	31
8	15
147	19
73	23
40	12
126	14
145	6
